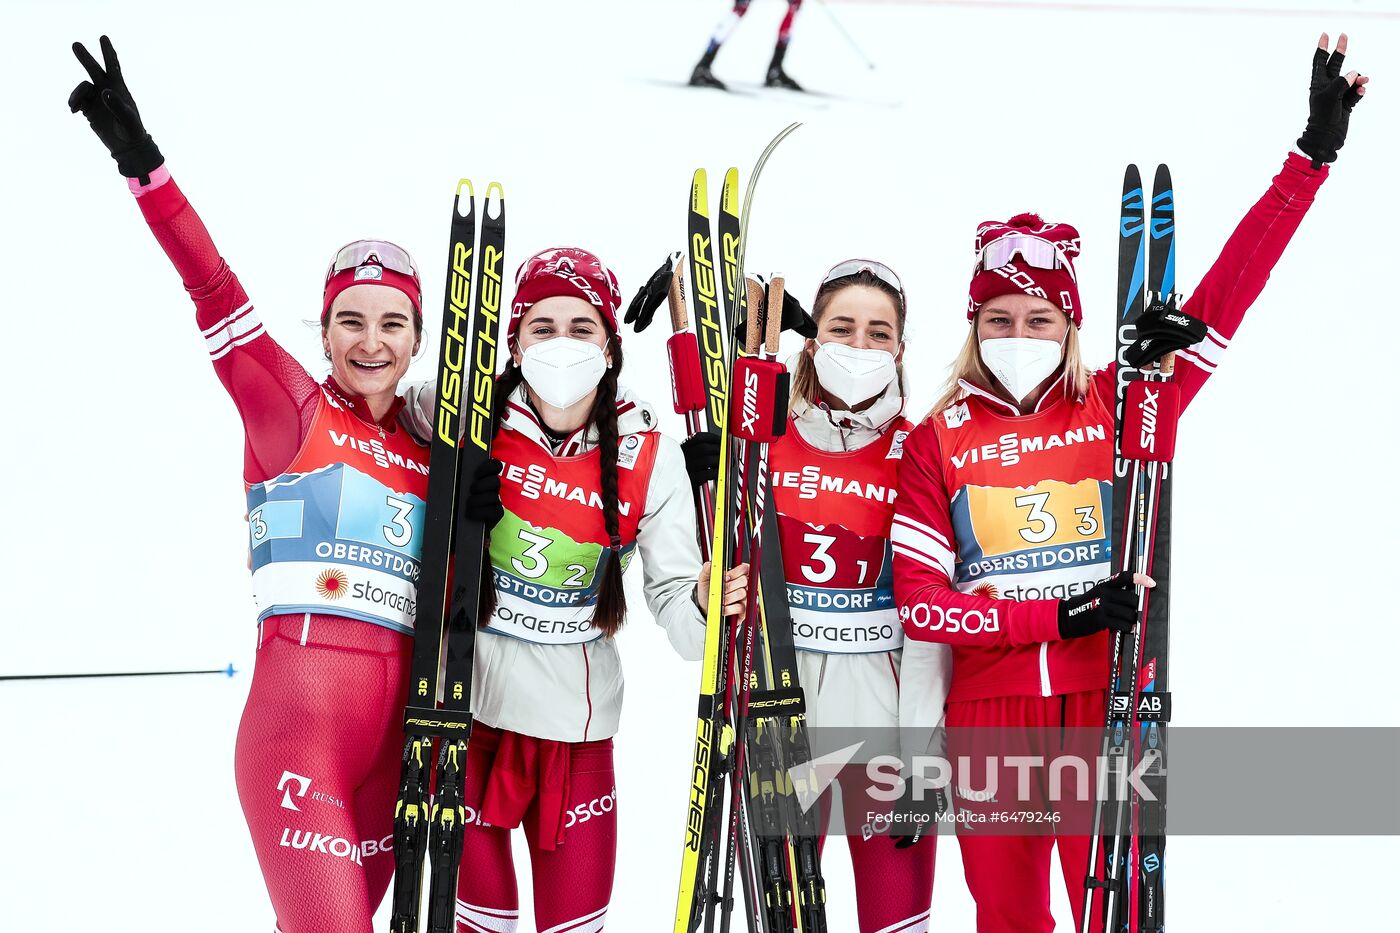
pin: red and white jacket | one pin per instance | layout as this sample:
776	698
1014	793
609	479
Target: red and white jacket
1000	515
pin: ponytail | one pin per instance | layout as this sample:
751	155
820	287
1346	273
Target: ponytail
611	607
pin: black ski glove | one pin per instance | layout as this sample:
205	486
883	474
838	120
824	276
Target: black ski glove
483	503
1111	604
109	108
651	295
796	318
701	457
1163	328
1331	99
918	817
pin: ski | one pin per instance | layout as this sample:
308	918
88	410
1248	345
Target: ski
1105	845
780	777
696	903
445	624
1146	406
1154	698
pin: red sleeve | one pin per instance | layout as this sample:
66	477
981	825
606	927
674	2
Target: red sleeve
921	536
274	394
1237	277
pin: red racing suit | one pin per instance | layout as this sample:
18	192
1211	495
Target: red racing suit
1001	515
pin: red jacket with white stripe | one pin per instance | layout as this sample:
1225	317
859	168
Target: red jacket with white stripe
276	397
1000	515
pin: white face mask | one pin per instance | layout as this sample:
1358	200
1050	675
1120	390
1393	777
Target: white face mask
1021	363
853	374
562	370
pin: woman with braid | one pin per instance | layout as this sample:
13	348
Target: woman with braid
588	483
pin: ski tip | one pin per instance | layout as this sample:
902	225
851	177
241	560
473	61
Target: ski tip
230	670
700	193
495	200
729	195
467	184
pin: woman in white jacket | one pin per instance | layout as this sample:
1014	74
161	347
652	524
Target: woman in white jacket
833	482
587	484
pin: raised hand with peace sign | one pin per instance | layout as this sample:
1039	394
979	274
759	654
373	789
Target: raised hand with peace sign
109	108
1331	98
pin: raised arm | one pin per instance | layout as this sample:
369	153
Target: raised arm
1239	274
273	393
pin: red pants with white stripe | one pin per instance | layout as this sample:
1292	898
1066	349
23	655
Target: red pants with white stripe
1009	875
564	797
317	767
894	887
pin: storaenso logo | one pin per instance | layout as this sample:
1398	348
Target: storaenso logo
382	597
454	349
1147	438
711	336
699	786
484	362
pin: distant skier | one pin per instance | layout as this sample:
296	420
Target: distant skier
702	76
1001	541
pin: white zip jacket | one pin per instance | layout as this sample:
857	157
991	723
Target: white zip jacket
882	690
573	693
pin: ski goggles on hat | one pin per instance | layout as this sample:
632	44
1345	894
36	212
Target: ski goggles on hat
379	252
844	270
1037	252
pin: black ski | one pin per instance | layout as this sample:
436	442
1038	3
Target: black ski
780	775
1154	698
1138	703
447	626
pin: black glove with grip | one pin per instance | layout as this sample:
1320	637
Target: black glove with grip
918	817
701	457
1111	604
651	295
110	110
483	502
1331	98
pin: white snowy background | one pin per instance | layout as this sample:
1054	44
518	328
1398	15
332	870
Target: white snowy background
296	127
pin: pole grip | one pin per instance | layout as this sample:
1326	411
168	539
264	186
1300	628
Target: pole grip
675	297
751	316
773	321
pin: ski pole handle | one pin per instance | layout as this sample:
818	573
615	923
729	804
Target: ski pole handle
751	318
675	296
773	321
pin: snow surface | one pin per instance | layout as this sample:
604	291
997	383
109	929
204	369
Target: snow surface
296	127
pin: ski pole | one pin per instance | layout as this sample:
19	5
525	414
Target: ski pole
846	35
226	671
